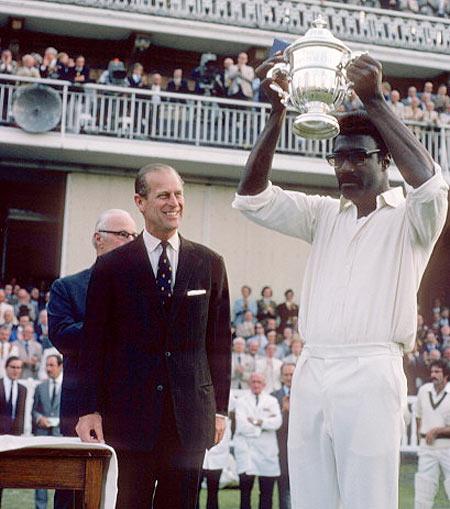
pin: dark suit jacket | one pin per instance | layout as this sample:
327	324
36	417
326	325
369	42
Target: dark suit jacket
66	311
42	406
14	426
282	433
134	354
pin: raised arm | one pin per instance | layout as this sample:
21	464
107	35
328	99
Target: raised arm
256	173
410	156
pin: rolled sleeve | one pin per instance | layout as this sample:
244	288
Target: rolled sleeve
253	202
427	208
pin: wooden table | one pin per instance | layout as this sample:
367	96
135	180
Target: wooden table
80	470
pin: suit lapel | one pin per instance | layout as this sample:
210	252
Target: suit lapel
188	261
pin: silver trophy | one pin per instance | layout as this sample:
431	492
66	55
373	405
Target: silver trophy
316	69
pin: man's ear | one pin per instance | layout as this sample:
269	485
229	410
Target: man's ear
386	162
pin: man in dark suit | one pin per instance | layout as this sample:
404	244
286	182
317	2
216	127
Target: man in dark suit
156	357
282	395
46	404
66	313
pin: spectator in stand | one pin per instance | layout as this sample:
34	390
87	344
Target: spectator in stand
271	325
422	329
430	116
445	337
177	83
136	80
30	352
288	312
282	396
387	89
413	111
442	100
446	354
4	306
267	308
352	103
207	75
284	348
427	93
259	336
9	320
24	305
390	4
241	78
444	118
7	64
27	68
431	342
241	365
253	352
246	329
156	86
436	323
35	300
17	330
12	400
412	92
445	316
396	105
115	75
272	336
7	349
63	65
258	417
270	367
47	68
41	330
296	350
9	294
79	73
45	413
223	77
245	303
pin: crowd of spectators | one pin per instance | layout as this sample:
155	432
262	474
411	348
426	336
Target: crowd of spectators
439	8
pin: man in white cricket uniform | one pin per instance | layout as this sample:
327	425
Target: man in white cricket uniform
433	426
358	306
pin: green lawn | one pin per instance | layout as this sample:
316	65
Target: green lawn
229	498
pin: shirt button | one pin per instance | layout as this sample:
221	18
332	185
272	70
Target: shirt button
168	354
159	388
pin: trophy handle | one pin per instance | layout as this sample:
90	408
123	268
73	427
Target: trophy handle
279	70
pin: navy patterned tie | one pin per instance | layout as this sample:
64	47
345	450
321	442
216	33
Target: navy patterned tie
164	276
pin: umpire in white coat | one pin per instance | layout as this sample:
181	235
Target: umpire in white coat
258	417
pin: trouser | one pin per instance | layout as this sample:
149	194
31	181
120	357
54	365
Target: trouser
345	427
266	485
284	495
212	485
426	482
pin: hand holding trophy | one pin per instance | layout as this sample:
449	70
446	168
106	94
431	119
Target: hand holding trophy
315	67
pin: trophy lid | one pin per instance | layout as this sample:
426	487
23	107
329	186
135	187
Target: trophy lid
318	35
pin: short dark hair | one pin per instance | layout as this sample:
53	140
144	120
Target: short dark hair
58	358
12	359
289	290
358	122
441	364
264	289
140	182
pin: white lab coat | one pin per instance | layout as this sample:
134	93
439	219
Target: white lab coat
256	447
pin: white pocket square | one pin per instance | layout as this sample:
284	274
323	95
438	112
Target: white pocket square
192	293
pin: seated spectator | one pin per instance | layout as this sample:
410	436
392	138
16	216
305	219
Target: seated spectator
436	323
443	8
260	337
287	312
422	330
243	304
442	100
79	73
444	118
272	337
24	305
413	112
17	330
30	352
241	77
390	4
430	343
115	75
136	80
241	365
387	89
430	116
207	75
41	330
427	92
7	349
223	78
445	337
177	83
270	367
253	352
296	350
9	320
35	300
445	316
396	105
47	68
352	103
271	325
412	92
27	68
284	348
446	353
63	65
4	306
267	308
9	294
246	329
7	64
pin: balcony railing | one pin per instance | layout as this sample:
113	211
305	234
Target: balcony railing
180	118
350	23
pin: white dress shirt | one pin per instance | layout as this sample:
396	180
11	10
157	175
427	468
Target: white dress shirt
154	250
15	392
361	281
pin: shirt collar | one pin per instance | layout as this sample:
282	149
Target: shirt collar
392	197
151	242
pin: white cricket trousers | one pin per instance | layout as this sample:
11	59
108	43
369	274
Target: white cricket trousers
345	427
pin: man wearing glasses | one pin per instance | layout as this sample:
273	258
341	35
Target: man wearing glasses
358	310
66	313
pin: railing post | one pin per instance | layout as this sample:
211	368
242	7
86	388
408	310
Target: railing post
64	110
198	122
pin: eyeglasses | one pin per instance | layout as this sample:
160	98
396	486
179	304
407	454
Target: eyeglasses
355	157
122	233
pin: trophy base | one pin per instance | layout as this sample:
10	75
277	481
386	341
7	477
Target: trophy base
316	126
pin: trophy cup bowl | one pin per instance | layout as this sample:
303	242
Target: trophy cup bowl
315	67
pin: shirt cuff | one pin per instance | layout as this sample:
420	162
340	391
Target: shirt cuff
221	415
430	188
253	202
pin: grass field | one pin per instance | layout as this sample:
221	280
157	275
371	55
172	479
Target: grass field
229	498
